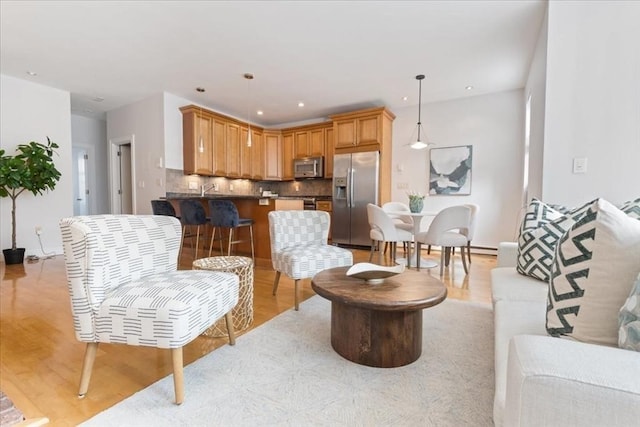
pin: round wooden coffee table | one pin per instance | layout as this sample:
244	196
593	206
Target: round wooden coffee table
378	325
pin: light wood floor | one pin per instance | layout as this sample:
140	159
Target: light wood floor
40	359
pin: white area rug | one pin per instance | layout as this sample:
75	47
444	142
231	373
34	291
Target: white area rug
285	373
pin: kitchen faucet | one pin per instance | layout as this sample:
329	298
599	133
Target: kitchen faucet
204	188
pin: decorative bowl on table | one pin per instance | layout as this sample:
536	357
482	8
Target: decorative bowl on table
373	274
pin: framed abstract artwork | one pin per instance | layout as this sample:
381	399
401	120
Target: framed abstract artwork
450	170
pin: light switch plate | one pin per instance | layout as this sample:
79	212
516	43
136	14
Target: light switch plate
579	165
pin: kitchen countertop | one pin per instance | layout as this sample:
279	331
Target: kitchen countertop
240	196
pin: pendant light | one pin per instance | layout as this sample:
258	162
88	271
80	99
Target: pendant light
418	144
249	77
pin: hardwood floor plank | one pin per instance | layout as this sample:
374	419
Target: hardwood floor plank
41	360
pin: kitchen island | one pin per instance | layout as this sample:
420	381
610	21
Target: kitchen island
254	207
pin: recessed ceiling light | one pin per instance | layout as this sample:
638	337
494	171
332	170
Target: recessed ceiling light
300	104
259	112
98	99
200	89
469	87
32	73
404	98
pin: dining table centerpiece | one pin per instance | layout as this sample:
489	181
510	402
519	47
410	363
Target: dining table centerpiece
416	202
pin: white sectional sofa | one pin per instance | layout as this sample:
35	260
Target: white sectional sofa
547	381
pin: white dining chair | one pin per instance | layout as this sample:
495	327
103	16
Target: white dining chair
384	230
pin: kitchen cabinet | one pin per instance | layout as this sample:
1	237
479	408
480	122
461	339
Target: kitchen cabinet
309	141
272	149
329	152
287	156
301	144
364	130
257	155
233	150
219	163
197	147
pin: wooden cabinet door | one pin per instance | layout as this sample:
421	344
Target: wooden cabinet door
328	153
316	142
257	155
219	148
197	146
301	145
344	133
287	157
245	154
272	156
233	150
369	130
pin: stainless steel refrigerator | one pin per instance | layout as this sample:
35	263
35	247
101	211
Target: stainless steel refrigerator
355	184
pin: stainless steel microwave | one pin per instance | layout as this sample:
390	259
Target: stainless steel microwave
308	167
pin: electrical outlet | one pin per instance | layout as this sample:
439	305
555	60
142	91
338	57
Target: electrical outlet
403	186
38	230
230	187
193	185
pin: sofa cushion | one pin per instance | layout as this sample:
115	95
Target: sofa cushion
507	284
593	270
536	246
512	318
629	333
632	208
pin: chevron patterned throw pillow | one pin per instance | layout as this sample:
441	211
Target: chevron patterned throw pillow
632	208
629	333
593	270
537	246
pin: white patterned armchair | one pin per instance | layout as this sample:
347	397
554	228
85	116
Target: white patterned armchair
299	246
124	288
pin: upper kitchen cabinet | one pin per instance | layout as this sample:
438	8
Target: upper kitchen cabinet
233	150
287	156
272	153
363	130
329	152
309	141
197	147
252	158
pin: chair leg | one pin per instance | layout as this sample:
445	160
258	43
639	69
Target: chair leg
469	251
442	251
373	245
178	374
230	240
253	255
429	250
297	290
447	256
228	318
464	260
184	229
418	249
213	236
197	242
386	245
275	282
87	367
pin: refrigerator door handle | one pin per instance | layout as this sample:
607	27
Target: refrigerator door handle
348	188
351	195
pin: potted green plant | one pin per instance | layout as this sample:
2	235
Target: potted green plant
31	169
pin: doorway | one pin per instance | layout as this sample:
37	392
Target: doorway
122	174
81	192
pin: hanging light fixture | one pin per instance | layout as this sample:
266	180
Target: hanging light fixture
418	144
249	77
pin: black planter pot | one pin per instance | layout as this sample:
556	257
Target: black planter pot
13	256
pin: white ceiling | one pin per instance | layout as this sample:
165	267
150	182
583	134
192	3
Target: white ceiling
334	56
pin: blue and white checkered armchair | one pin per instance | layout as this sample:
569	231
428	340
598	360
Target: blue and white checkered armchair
124	288
299	246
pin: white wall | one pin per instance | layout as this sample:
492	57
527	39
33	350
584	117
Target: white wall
31	112
144	120
592	101
173	130
91	134
493	124
536	87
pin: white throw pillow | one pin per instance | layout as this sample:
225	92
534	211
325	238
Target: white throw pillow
629	333
595	264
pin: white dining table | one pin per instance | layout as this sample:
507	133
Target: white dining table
417	220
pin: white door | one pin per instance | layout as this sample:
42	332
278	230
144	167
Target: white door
121	176
80	181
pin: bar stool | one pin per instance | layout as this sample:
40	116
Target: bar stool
163	207
225	214
192	213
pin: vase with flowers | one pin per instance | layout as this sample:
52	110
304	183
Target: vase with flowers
416	202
